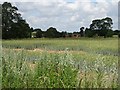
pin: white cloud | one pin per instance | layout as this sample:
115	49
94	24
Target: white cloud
66	16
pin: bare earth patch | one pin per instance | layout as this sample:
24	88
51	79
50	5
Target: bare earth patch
50	51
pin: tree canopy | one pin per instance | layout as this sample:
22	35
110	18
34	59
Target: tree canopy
13	25
100	27
52	33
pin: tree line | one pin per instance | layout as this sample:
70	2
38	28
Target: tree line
15	27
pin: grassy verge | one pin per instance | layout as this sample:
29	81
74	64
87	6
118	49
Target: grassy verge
60	70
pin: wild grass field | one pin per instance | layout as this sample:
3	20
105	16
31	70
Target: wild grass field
60	63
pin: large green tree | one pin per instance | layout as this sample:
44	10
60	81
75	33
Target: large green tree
13	25
39	33
101	27
88	32
21	30
52	33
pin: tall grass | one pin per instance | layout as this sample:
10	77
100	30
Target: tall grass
82	64
110	45
50	70
58	70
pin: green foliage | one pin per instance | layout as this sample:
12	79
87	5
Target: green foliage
49	71
109	33
89	33
13	26
39	33
101	27
117	32
52	33
81	31
82	63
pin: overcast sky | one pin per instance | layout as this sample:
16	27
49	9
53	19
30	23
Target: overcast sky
66	15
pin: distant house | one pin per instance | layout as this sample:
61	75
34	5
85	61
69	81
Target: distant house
72	35
34	34
75	35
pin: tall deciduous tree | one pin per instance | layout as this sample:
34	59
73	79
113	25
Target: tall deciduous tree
13	26
52	33
102	27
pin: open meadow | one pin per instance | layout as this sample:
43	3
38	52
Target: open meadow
60	63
